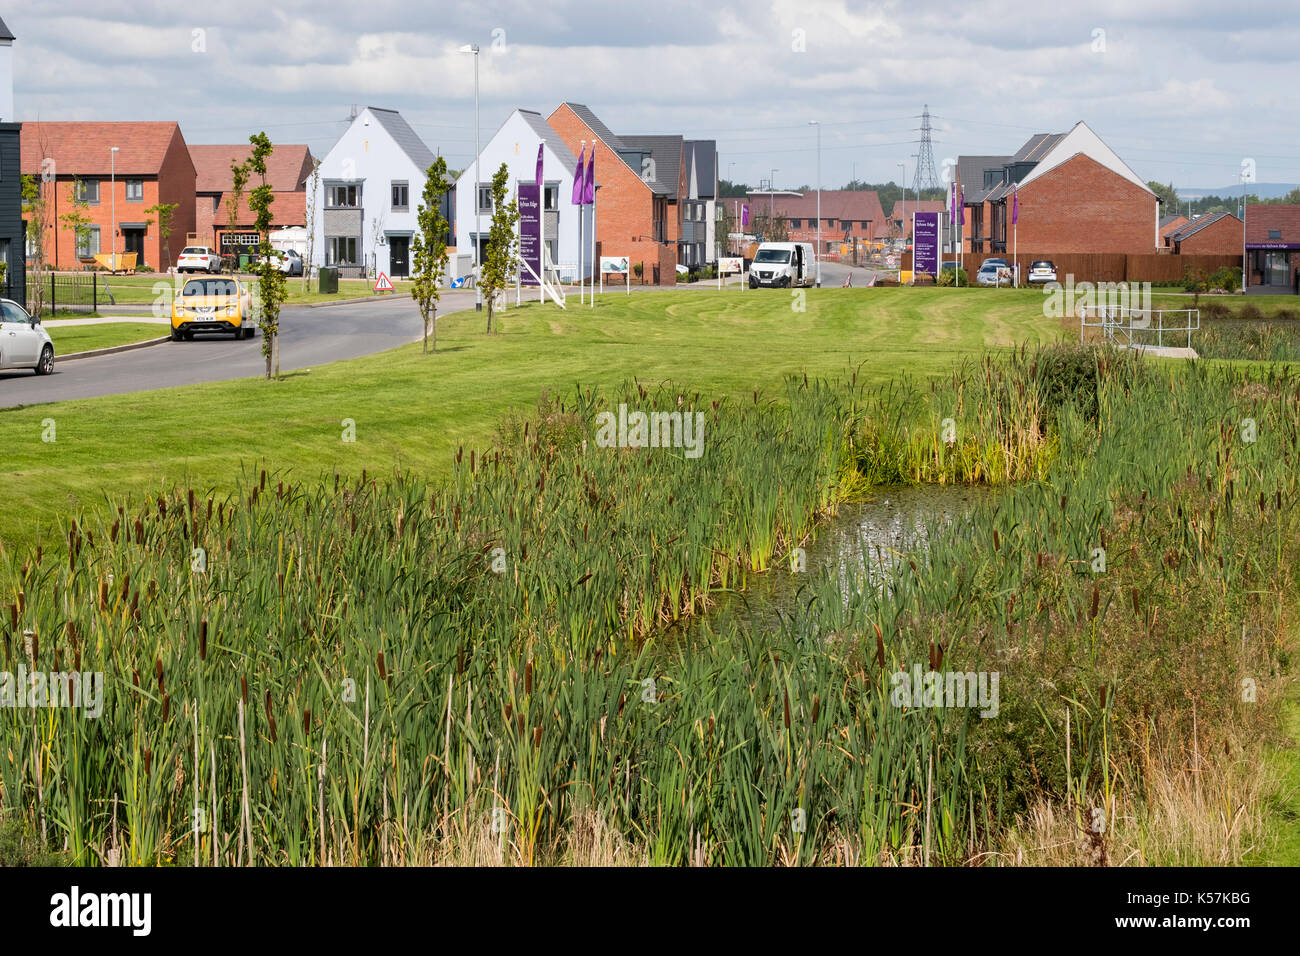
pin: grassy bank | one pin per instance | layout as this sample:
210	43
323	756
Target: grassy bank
84	338
412	411
362	671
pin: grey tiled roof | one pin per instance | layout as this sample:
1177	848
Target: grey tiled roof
666	152
405	137
5	32
594	124
1164	223
1036	147
1196	225
970	171
551	138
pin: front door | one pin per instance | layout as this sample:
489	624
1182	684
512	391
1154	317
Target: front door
399	256
133	241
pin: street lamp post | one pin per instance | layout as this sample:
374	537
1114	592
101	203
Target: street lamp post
902	218
818	257
478	236
112	203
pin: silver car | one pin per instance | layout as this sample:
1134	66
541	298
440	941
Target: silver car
23	343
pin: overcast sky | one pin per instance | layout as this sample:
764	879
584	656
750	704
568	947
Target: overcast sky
1182	91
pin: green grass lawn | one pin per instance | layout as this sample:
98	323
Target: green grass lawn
83	338
412	411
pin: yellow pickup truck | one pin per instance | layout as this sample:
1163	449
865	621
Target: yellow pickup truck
213	304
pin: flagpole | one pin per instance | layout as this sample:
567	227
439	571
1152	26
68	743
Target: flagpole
594	263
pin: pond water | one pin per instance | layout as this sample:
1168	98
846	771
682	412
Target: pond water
863	541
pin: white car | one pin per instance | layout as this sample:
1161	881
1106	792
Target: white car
23	343
198	259
1041	271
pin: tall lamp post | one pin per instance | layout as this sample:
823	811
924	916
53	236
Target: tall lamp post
1245	276
818	257
112	203
478	236
902	218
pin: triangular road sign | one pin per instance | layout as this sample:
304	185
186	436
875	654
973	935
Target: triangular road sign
384	284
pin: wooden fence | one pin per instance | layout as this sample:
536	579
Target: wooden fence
1103	267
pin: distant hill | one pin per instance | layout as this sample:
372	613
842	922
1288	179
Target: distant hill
1262	190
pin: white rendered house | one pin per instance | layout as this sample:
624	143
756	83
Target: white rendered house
365	205
515	144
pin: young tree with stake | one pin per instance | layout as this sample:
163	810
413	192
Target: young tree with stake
500	252
430	247
271	284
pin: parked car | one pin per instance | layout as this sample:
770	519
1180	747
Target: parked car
992	274
198	259
783	264
23	343
213	305
1041	270
287	261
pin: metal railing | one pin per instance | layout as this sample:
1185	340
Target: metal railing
1134	328
67	291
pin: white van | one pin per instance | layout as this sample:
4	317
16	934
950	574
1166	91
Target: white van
783	264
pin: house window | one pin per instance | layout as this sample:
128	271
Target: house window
135	190
88	243
401	196
88	191
342	197
341	251
796	223
552	200
1275	233
484	198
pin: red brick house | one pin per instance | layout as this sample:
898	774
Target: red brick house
633	216
900	220
848	216
1218	234
1273	246
152	165
287	170
1075	195
1170	225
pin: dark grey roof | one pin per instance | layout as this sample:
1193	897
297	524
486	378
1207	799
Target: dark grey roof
405	137
5	32
1036	147
551	138
1000	191
702	157
970	172
1164	223
602	131
666	151
1196	225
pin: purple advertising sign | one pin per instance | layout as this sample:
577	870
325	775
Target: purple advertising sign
925	243
530	231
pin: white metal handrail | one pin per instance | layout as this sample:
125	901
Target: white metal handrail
1133	324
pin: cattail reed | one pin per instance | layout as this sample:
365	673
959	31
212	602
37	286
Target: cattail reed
785	695
203	639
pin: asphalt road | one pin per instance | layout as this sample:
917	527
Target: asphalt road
308	337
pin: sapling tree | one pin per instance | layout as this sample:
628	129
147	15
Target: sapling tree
164	211
271	285
78	221
498	257
36	210
430	247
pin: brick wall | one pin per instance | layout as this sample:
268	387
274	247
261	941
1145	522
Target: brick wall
176	182
1081	206
624	203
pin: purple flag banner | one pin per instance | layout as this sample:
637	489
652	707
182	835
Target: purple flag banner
540	148
530	231
1015	206
744	215
577	179
961	208
589	189
925	239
